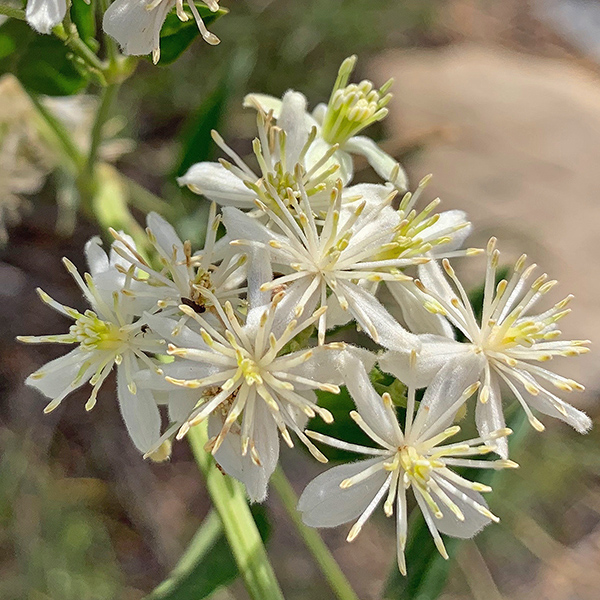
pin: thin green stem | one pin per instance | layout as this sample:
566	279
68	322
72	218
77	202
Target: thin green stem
12	12
106	99
77	45
315	544
204	539
229	499
60	133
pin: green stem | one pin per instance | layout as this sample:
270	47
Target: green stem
201	544
229	499
315	544
12	12
76	44
106	99
60	132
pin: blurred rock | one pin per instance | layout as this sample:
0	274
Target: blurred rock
519	153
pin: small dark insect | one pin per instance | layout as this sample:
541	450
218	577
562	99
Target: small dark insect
144	328
195	307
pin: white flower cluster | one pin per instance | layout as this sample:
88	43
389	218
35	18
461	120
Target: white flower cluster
236	334
134	24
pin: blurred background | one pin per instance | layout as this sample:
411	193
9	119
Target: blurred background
500	100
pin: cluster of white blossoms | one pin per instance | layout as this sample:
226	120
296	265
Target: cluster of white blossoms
134	24
237	333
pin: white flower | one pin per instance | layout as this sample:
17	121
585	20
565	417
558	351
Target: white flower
425	234
106	335
507	341
289	154
414	458
239	377
332	255
44	15
182	275
351	109
136	24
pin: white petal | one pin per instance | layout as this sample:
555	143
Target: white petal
419	320
184	338
372	193
181	404
296	123
217	183
265	102
114	257
259	273
96	257
139	412
474	521
285	311
229	455
489	417
438	406
241	226
435	352
324	504
449	219
434	279
329	365
346	172
546	403
165	234
319	112
376	320
383	164
368	402
62	372
44	15
136	29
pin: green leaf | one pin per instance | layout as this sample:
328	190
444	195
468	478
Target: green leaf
177	35
41	62
343	427
207	564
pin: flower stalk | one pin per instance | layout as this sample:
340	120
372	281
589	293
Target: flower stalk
240	529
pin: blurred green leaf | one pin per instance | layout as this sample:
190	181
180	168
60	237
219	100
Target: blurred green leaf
177	35
208	563
343	427
41	62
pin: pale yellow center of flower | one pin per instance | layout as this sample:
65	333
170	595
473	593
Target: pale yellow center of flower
93	333
416	466
250	370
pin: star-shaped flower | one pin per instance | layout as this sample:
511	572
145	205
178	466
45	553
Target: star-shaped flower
106	335
508	340
414	458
